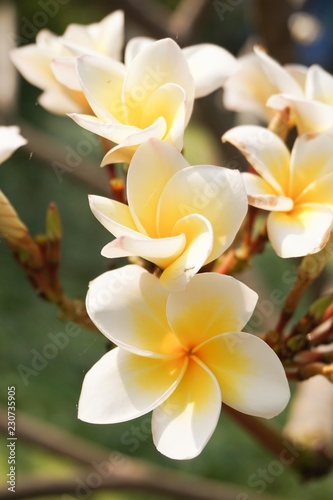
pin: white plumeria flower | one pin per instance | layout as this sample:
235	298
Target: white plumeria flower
178	217
258	77
151	95
312	112
297	188
10	140
34	60
179	355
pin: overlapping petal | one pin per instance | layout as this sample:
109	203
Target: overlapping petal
122	386
261	194
265	151
304	230
184	423
226	305
250	375
319	85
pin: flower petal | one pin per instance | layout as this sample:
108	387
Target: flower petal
153	164
127	147
122	386
309	116
10	140
199	241
128	305
266	153
64	69
311	161
261	194
102	79
63	101
211	304
160	251
251	376
110	129
210	65
115	216
304	230
319	85
134	46
33	63
156	64
278	75
184	423
216	193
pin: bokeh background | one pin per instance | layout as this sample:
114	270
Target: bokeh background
295	31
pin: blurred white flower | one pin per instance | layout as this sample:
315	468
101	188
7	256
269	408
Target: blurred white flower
10	140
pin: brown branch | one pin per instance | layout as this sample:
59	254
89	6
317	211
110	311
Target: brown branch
120	472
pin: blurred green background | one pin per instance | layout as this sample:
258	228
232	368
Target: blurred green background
26	321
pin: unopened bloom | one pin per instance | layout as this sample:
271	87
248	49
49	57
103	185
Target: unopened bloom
178	217
179	355
10	140
151	95
295	187
34	61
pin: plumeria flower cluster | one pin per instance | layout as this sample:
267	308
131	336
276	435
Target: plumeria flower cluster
179	349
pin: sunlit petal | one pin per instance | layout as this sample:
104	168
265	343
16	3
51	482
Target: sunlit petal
128	306
265	151
261	194
210	305
153	164
134	46
319	85
115	216
210	65
122	386
184	423
250	375
64	69
216	193
304	230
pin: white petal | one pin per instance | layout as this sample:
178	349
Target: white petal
184	423
122	386
115	216
63	101
34	64
298	73
304	230
216	193
102	80
319	85
210	65
10	140
199	242
277	75
128	305
134	46
211	304
261	194
309	116
153	164
251	376
156	64
64	69
126	149
266	153
160	251
110	129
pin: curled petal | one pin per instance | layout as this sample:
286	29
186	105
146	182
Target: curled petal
160	251
153	164
216	193
266	153
251	376
199	241
319	85
122	386
184	423
128	306
210	65
261	194
111	129
309	116
114	216
210	305
304	230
